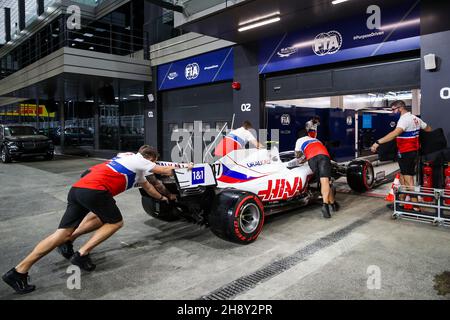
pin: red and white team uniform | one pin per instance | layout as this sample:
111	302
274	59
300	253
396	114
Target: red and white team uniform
408	141
235	140
117	175
311	147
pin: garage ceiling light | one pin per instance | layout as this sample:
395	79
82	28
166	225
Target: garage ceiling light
267	16
136	95
403	24
259	24
338	1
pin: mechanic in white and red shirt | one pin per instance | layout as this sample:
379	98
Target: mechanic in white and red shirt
93	193
237	139
407	135
312	126
312	150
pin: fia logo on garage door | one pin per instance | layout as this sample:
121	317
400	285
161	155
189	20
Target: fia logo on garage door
192	71
327	43
285	119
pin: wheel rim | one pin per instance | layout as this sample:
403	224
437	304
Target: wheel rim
369	177
3	155
249	218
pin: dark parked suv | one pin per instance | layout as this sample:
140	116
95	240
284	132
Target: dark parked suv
17	141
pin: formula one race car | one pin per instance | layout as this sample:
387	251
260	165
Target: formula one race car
235	194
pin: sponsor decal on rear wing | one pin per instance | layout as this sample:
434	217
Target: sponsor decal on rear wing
202	175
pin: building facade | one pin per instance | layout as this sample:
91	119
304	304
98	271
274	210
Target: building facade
292	60
78	71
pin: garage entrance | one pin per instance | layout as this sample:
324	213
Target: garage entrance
212	104
351	102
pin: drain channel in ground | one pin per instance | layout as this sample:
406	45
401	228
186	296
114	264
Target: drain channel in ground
250	281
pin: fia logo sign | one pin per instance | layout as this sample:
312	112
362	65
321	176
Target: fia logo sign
192	71
327	43
285	119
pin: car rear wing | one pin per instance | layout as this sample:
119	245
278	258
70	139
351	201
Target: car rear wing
195	180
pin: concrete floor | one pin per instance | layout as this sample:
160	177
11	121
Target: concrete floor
150	259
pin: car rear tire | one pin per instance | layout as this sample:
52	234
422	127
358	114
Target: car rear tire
237	216
158	210
6	158
360	176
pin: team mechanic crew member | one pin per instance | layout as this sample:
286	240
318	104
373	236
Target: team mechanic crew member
94	193
319	161
408	144
237	139
312	126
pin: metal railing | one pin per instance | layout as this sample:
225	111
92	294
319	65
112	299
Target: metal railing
432	206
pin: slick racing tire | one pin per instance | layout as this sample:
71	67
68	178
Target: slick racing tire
237	216
158	210
360	176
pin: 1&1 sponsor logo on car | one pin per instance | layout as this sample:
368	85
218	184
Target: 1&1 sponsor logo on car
198	176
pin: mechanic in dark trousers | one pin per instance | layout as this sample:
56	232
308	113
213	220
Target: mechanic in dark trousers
319	161
94	193
407	135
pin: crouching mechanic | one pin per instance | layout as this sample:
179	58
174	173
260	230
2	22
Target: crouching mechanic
94	193
319	161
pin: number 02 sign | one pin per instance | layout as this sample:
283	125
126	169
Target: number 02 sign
246	107
445	93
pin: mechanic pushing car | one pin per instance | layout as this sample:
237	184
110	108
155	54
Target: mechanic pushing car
94	193
313	151
237	139
312	126
407	135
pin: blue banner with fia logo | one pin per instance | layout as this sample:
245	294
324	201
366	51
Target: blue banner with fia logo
205	68
376	31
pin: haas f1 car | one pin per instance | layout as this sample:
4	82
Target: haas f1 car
233	195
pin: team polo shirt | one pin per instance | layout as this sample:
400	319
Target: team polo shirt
408	141
241	135
311	147
117	175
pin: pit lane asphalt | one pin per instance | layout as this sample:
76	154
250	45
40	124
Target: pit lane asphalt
151	259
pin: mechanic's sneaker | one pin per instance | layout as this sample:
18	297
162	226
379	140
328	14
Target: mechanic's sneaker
335	206
84	262
326	211
18	281
66	250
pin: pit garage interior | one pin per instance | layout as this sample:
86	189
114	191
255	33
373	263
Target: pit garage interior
361	253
